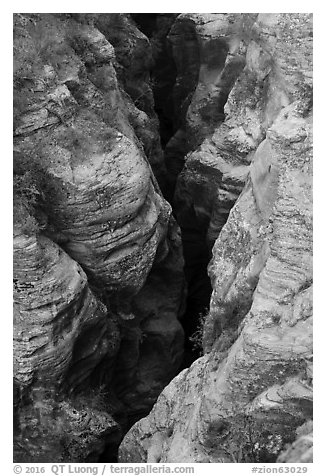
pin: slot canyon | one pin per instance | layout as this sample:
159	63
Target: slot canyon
162	178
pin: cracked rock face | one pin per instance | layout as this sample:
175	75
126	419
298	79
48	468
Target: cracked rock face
93	236
244	399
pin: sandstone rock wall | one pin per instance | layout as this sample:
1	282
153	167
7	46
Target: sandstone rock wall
243	400
99	284
54	307
209	54
93	235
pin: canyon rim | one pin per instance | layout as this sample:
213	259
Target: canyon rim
163	237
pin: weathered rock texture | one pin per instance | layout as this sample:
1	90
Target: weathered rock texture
243	400
135	61
208	51
98	262
54	308
301	451
163	75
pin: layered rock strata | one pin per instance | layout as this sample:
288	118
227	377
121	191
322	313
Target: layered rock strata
134	54
62	332
243	400
208	51
54	308
93	236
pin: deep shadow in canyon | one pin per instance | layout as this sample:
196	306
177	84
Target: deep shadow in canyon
161	163
163	72
171	101
196	250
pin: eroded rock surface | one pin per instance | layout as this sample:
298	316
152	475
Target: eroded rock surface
93	236
54	309
209	54
209	51
243	400
301	450
99	285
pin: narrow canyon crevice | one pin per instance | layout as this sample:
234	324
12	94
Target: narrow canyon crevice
249	396
97	312
171	100
163	71
162	237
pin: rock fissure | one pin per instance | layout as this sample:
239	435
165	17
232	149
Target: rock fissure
165	214
216	205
